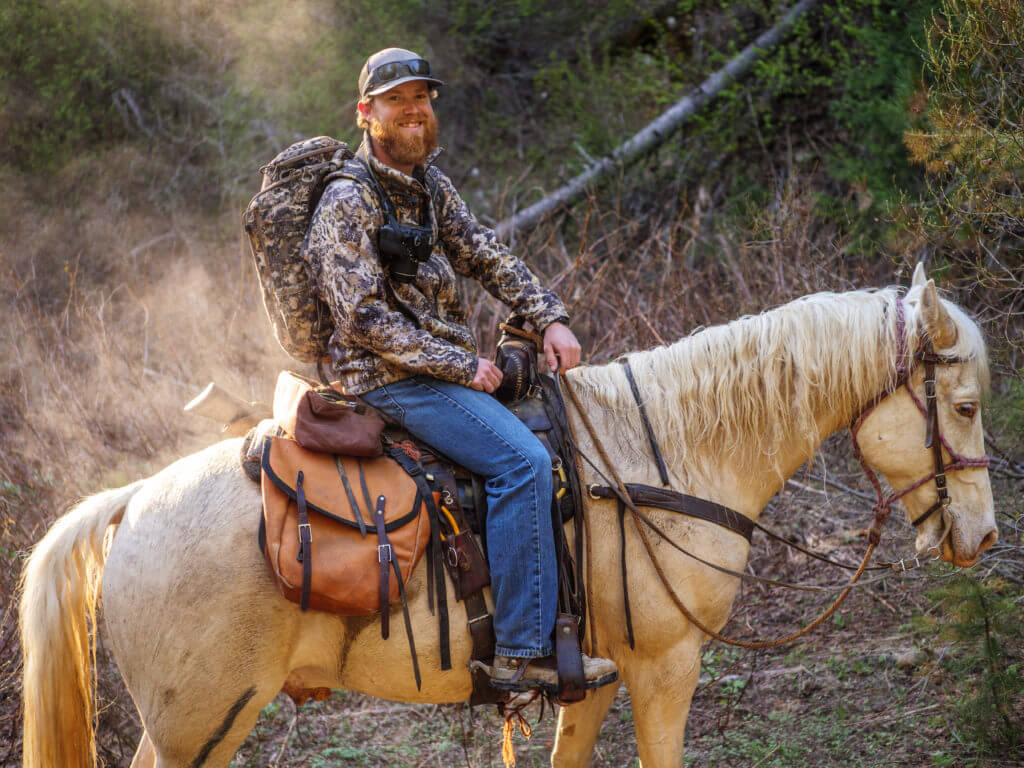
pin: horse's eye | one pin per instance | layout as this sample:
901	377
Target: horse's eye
967	410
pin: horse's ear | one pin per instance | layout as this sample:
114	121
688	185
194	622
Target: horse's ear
937	322
919	275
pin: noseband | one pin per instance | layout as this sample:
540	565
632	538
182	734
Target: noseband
934	439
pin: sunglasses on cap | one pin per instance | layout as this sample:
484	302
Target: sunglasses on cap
394	70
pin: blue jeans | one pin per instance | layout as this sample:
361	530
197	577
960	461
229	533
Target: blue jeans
482	435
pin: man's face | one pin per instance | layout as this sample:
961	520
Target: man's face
402	122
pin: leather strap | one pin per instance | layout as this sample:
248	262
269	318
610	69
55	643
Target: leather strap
554	405
415	471
659	460
572	686
673	501
384	557
305	542
481	631
351	496
625	577
362	483
408	625
932	432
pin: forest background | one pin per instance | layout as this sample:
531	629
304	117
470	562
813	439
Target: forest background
880	132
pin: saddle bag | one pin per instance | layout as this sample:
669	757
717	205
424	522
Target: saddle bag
340	534
320	418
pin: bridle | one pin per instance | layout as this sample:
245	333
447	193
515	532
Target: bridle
934	438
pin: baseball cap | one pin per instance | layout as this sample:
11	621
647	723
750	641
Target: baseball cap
390	67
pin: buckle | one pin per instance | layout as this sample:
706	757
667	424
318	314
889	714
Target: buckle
451	557
590	491
309	530
481	617
929	388
383	553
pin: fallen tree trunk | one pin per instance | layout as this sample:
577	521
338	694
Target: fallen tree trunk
656	132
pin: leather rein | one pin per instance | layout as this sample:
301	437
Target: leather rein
629	496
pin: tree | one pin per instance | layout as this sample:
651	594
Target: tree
971	145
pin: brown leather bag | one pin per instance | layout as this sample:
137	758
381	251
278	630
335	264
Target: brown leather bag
323	419
324	542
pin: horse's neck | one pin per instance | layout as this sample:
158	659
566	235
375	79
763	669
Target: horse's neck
745	485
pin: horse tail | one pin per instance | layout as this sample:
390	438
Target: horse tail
60	589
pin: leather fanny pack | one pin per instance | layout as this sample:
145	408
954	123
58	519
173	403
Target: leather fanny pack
340	534
322	419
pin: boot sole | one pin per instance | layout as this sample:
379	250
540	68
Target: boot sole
536	684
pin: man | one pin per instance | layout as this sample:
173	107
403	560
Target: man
402	343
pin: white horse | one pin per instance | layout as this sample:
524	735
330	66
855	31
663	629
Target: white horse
204	640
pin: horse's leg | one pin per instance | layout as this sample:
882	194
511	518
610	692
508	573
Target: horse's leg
578	726
145	755
211	743
198	631
660	691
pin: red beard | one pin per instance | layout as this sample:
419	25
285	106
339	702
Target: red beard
406	150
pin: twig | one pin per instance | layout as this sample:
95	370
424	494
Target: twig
768	754
287	736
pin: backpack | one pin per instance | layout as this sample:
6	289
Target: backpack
276	221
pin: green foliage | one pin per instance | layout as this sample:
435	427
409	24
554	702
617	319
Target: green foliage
1005	416
971	216
982	619
70	71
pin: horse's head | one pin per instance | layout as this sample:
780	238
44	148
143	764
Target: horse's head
893	436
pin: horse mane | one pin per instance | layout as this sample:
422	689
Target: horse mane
740	391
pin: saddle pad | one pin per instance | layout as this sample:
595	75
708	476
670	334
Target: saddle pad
345	575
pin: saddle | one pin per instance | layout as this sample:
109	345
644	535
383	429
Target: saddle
344	533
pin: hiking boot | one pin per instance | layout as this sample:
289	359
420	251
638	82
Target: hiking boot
512	674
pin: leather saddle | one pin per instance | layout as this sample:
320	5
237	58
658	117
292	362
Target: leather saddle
326	548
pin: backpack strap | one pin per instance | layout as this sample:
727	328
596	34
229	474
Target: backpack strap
358	170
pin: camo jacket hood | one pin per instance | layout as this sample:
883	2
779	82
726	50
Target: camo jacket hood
386	331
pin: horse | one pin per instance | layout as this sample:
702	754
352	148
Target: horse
204	640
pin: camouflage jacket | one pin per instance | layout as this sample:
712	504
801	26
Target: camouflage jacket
377	340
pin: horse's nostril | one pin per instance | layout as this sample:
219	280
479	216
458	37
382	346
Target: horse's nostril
990	538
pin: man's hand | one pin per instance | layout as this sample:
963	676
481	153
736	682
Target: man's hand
561	346
488	376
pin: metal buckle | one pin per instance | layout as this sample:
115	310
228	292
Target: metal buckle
481	617
451	556
929	388
309	528
383	551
